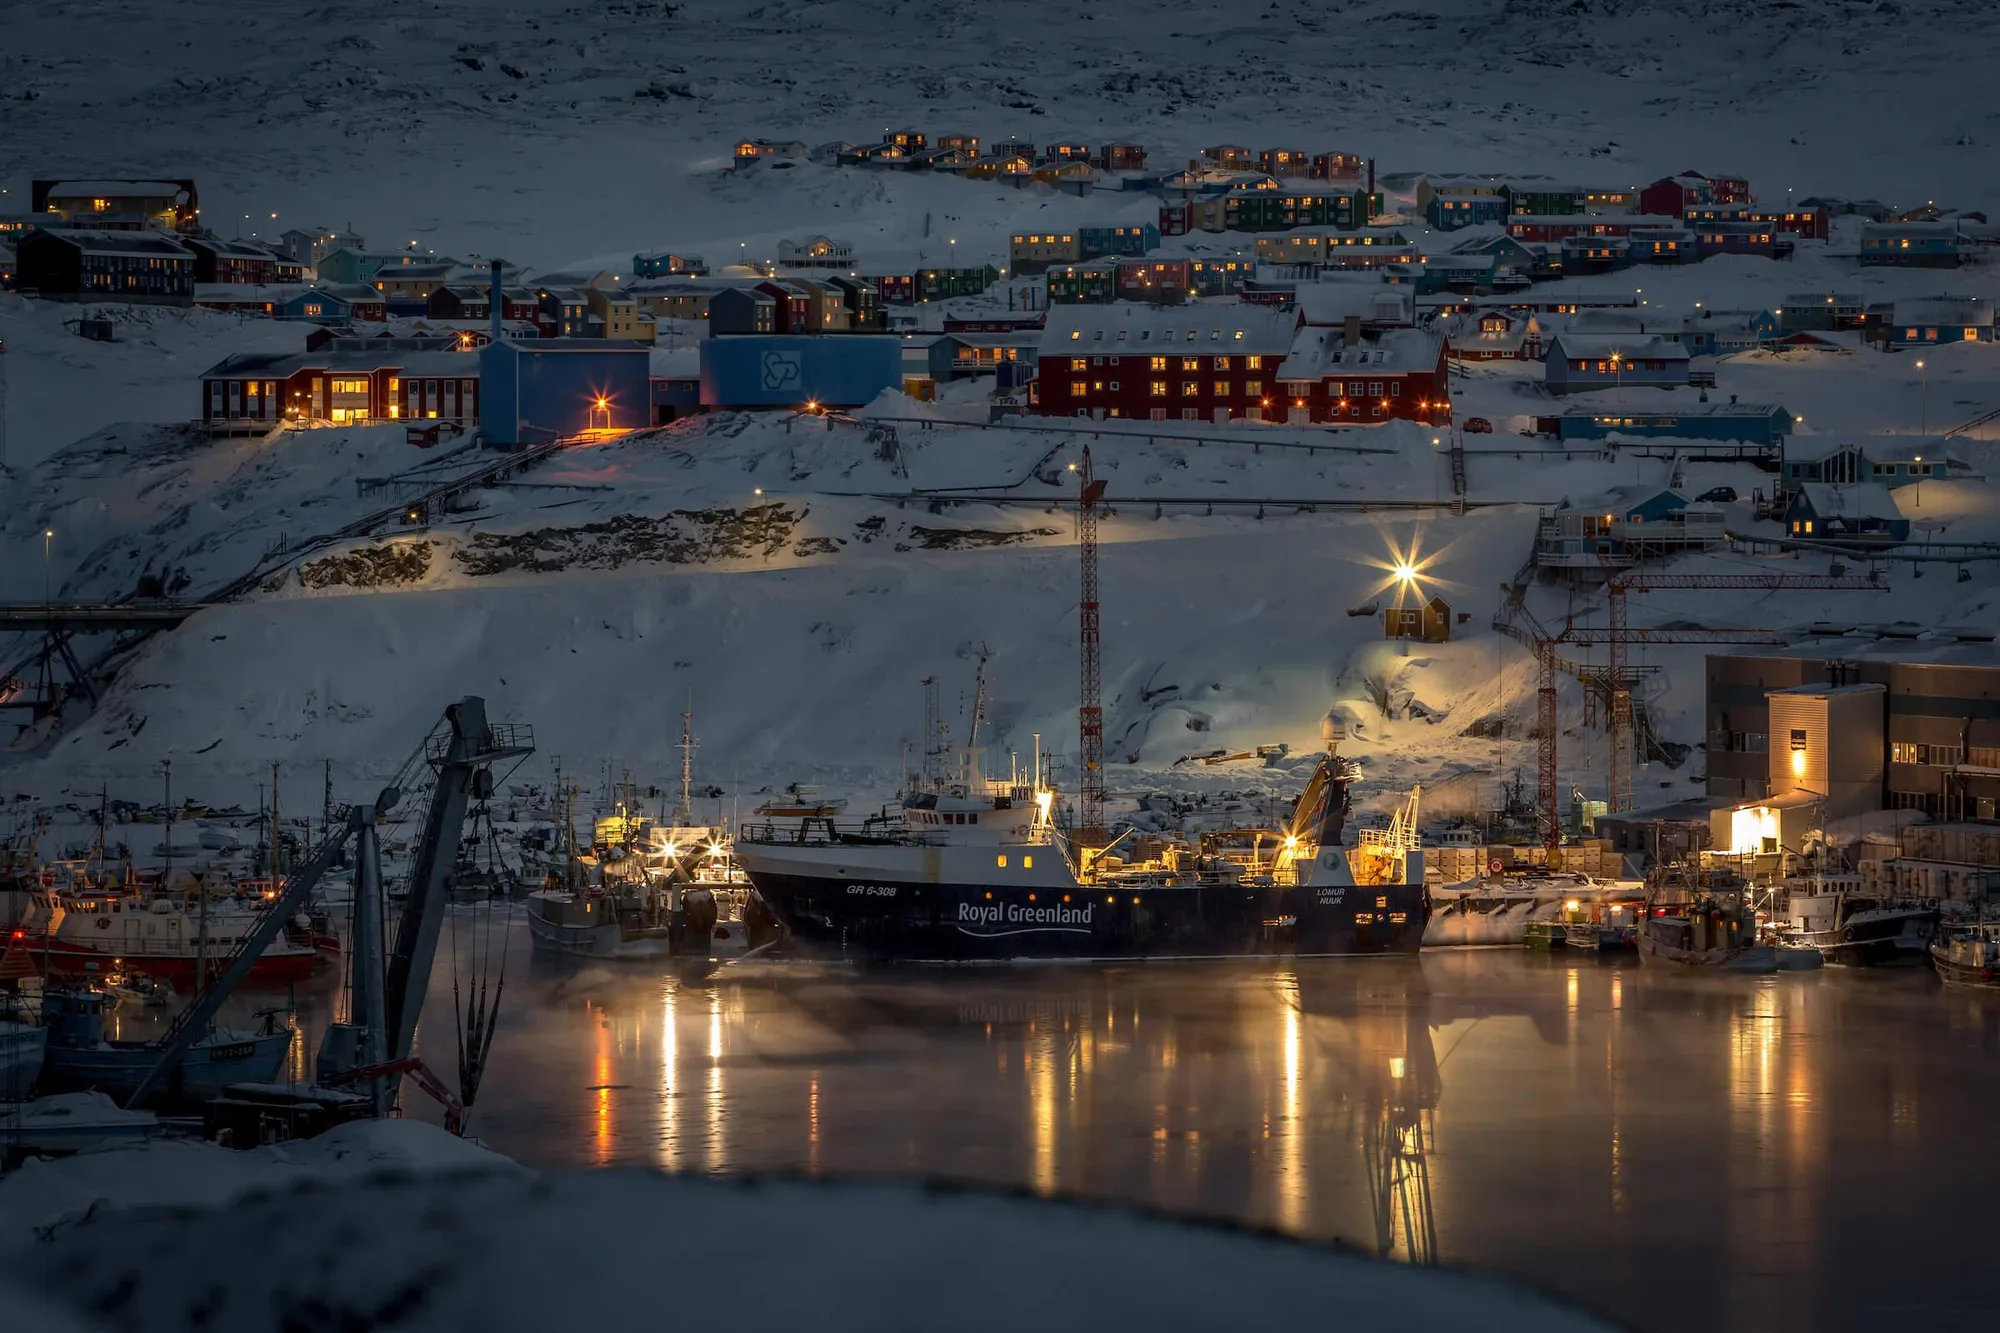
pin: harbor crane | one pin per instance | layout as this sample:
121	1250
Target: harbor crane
456	761
1615	683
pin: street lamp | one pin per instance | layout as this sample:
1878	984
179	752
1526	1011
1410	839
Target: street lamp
48	536
1923	401
1618	375
1917	489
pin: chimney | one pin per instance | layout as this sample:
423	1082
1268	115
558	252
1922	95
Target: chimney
499	305
1352	333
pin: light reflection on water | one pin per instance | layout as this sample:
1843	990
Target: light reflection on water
1740	1151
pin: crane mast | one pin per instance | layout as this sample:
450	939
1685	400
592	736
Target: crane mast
1090	709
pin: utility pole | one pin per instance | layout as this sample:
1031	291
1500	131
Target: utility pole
932	726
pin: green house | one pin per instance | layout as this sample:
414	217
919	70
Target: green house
1281	210
1093	283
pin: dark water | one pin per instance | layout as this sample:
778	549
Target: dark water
1678	1151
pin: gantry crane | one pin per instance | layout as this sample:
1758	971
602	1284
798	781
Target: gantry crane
1619	637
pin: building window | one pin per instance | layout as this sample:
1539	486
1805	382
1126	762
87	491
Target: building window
1159	363
1902	752
1253	363
1078	389
1079	363
1159	389
1190	363
1189	389
1253	387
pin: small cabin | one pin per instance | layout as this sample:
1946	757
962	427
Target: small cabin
1428	623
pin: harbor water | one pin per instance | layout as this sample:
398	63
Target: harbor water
1680	1151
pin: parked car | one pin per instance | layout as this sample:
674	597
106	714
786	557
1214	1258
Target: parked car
1725	495
1478	426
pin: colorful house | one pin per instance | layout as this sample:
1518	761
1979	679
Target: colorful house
1449	210
1090	283
1196	363
1913	244
1337	166
1582	362
1034	251
1285	162
1942	319
1849	515
664	264
1352	376
1135	239
1880	461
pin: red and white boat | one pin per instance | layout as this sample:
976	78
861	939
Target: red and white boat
96	933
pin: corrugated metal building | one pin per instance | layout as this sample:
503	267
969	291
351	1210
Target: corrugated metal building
553	388
1940	732
845	370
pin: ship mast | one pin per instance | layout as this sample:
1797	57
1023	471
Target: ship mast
978	699
684	812
1090	710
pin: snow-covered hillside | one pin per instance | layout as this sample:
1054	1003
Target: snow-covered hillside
767	568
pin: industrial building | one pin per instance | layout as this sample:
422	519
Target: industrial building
556	388
1934	743
798	370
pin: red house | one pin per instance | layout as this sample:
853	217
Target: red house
1815	224
1672	196
1351	376
1154	279
794	313
1194	363
1122	157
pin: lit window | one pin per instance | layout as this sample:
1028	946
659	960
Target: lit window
1189	389
1253	363
1190	363
1079	363
1159	388
1159	363
1078	389
1001	860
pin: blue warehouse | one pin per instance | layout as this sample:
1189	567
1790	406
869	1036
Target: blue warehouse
1719	423
798	370
556	388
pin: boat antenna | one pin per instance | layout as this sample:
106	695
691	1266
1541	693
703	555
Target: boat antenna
978	698
684	812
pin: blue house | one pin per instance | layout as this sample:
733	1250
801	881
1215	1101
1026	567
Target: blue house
332	303
1912	244
1580	362
1885	461
1720	423
662	264
1448	210
1941	319
1858	515
1718	333
1135	239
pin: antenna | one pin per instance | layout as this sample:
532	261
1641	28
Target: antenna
932	727
684	812
978	697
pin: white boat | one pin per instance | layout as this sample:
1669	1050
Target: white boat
21	1047
73	1122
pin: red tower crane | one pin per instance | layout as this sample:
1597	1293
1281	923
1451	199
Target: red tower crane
1090	829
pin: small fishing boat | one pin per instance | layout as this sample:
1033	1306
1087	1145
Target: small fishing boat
79	1056
138	990
1851	928
69	1122
1701	918
1968	955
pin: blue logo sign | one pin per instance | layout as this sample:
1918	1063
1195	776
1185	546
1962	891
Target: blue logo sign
782	370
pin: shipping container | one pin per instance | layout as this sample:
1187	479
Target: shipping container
559	387
840	370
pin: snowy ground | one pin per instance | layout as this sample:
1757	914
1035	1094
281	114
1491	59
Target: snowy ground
593	601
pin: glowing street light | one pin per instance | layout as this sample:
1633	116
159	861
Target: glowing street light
1923	400
48	536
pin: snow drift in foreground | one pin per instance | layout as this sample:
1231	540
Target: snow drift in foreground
396	1223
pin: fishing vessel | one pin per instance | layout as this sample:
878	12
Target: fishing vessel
1968	955
71	1122
977	870
79	1056
97	933
1829	913
1701	918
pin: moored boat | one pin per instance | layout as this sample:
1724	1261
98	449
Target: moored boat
99	933
1700	918
21	1047
80	1057
1968	955
979	871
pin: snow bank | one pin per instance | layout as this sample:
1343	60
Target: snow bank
505	1251
51	1195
